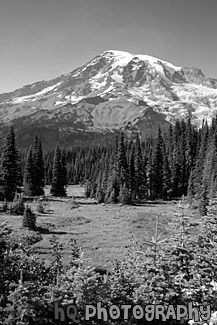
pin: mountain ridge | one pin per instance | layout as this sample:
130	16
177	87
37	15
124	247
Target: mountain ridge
115	91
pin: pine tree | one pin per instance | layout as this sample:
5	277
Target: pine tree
176	174
99	193
113	188
150	175
191	190
204	201
210	166
87	189
112	197
9	177
28	182
63	168
38	168
158	167
121	163
189	148
29	219
132	175
57	187
167	186
124	195
209	222
140	171
198	171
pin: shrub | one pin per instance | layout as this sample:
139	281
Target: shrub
4	207
29	219
73	203
40	207
17	207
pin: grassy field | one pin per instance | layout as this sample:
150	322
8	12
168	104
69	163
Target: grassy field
102	231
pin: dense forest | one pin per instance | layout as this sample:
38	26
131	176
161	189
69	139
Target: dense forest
179	162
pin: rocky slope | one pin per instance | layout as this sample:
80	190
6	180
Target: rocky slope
114	91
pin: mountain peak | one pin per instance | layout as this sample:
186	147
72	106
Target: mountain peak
126	57
116	90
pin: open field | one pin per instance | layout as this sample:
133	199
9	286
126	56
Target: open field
103	231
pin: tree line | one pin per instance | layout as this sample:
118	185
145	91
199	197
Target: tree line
28	172
182	161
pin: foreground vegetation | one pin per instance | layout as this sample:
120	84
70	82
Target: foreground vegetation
174	270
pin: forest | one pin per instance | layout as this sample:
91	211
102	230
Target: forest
178	165
179	162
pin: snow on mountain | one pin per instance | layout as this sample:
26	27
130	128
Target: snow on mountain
114	91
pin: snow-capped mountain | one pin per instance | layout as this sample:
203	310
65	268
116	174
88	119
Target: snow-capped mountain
114	91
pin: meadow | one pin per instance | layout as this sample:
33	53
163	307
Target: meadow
104	232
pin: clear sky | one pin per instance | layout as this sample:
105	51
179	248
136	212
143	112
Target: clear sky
42	39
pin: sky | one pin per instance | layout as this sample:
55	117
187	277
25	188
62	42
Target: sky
42	39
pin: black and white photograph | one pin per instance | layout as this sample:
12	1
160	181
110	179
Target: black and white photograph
108	162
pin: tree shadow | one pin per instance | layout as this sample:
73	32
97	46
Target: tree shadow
150	203
47	231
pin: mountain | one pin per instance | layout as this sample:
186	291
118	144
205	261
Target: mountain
114	91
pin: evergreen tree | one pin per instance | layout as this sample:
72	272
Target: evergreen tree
87	189
112	198
210	166
121	163
191	190
57	187
167	186
176	175
209	222
198	171
9	177
140	172
113	188
204	201
38	168
99	193
28	182
189	148
63	168
29	219
124	195
158	167
132	174
150	175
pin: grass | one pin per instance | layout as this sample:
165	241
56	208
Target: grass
102	231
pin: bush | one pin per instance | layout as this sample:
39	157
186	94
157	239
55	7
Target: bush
17	207
4	207
40	207
24	237
73	203
29	219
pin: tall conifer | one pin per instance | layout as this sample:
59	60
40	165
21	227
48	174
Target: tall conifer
57	185
9	173
38	168
28	182
158	166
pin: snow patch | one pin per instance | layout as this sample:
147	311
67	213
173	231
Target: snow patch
123	58
58	102
22	99
117	77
